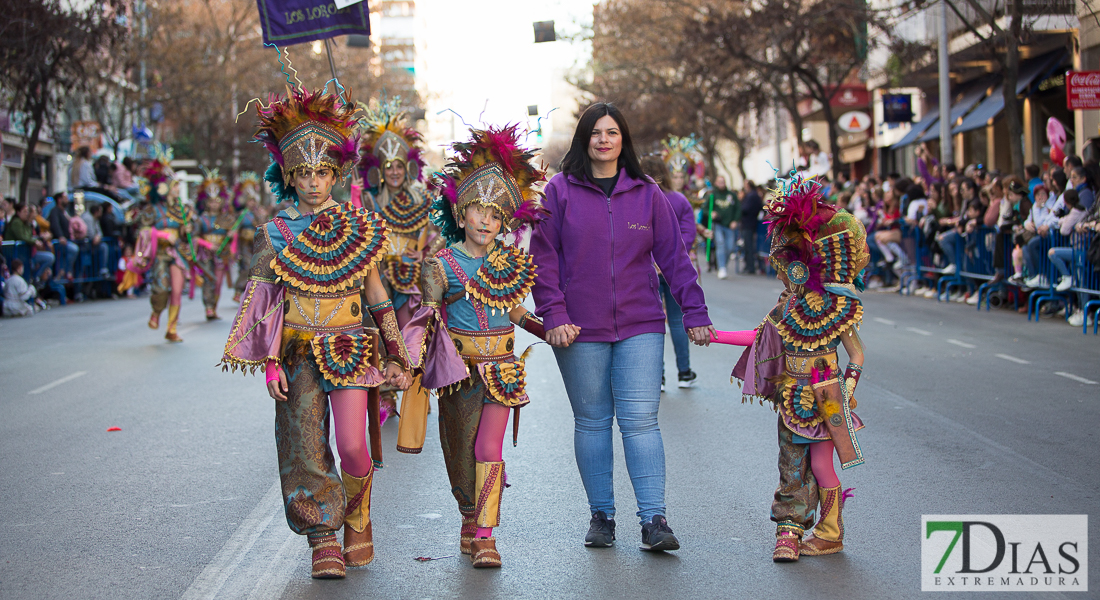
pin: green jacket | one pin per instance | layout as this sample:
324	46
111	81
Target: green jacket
727	205
18	231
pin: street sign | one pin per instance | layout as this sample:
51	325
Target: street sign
897	108
854	121
1083	90
86	133
287	22
544	32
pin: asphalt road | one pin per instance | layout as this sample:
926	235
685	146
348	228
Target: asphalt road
966	412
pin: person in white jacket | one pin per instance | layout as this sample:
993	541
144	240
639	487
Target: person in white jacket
17	293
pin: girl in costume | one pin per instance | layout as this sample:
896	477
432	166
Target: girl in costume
217	227
462	338
165	246
313	276
246	201
391	165
791	360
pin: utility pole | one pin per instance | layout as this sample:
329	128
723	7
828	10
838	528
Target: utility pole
947	149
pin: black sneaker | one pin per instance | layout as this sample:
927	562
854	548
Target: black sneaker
601	531
657	537
687	379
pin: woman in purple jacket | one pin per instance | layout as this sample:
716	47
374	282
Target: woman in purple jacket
597	293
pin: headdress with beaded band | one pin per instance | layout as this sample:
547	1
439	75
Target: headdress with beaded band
678	153
211	178
248	184
387	138
308	129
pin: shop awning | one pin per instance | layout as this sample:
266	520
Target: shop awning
971	95
992	106
919	128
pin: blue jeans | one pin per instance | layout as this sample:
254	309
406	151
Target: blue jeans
725	242
66	254
622	380
949	242
1060	257
1033	254
41	260
680	342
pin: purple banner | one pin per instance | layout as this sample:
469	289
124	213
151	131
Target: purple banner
287	22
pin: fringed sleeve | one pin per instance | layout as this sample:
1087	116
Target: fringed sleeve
429	345
257	331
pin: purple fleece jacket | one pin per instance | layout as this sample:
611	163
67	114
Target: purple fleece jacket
595	255
685	216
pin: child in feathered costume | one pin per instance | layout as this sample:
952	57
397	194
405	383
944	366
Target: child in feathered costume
246	203
392	167
791	360
216	226
301	319
463	338
165	246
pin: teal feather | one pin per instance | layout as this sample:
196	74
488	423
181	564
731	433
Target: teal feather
274	177
444	219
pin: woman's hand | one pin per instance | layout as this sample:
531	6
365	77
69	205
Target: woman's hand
278	388
701	335
562	335
396	376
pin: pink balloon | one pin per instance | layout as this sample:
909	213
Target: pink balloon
1056	137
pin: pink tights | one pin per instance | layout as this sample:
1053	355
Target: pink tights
821	462
349	415
490	442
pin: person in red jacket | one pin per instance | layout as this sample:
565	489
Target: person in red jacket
598	295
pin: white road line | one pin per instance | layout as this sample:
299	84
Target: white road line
275	578
884	321
1075	377
51	385
1018	361
920	331
214	576
962	344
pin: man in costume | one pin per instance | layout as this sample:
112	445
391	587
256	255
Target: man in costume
301	319
391	166
463	337
217	225
791	360
165	246
246	203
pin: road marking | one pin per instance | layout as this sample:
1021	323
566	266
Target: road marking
884	321
209	583
962	344
51	385
1018	361
920	331
1075	377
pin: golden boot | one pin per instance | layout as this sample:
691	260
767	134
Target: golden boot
828	534
787	538
490	486
173	320
358	536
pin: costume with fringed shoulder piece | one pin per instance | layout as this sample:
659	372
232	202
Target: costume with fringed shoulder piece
303	309
388	139
792	360
463	337
216	226
245	193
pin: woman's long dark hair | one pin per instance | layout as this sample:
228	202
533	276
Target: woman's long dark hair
577	163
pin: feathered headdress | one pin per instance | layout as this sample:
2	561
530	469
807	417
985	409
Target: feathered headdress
387	138
158	177
307	129
493	170
816	246
212	179
248	184
678	153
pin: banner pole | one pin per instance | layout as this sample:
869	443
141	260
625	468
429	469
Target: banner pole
331	64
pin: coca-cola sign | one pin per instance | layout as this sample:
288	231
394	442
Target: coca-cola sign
1083	90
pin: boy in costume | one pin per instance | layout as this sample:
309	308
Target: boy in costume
217	226
791	360
313	276
246	201
463	337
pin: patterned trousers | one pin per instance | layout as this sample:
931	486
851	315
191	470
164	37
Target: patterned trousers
160	282
795	500
459	415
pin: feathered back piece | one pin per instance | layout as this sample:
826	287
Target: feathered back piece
796	214
388	138
248	185
213	185
677	152
493	170
307	129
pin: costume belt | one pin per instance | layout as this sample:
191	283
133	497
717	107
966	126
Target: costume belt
246	234
173	237
799	364
400	243
491	345
214	238
323	313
